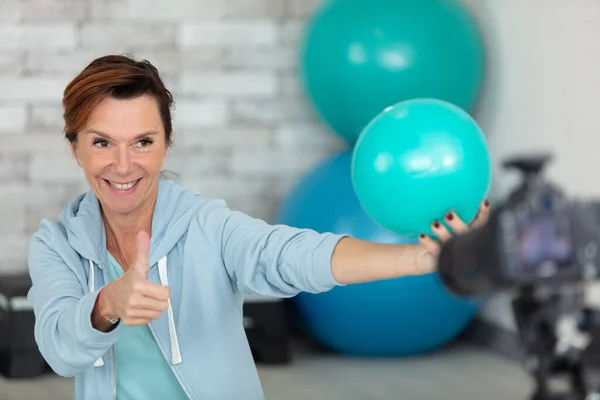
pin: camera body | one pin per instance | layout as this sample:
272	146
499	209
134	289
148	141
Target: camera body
536	237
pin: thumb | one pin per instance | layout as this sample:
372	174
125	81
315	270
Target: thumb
143	250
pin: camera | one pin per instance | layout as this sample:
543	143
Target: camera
536	237
545	248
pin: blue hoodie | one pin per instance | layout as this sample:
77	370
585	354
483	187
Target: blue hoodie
211	257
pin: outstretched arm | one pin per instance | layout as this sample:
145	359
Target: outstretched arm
281	261
357	261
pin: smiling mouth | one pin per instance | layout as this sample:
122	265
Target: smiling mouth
123	186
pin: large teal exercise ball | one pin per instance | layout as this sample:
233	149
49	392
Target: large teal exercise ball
360	56
394	317
418	160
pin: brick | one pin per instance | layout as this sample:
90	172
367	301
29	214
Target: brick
284	108
227	33
291	85
23	88
11	62
49	168
61	62
292	31
13	252
13	118
303	8
308	135
53	10
38	37
39	193
226	137
240	84
272	162
254	8
11	11
196	162
34	213
12	215
200	113
34	144
156	11
171	62
46	117
269	58
13	201
13	167
201	58
126	37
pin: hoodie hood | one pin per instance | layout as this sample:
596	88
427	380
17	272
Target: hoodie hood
174	209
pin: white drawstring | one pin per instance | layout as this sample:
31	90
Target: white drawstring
91	286
175	352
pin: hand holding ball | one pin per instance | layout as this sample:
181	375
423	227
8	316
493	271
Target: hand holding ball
418	160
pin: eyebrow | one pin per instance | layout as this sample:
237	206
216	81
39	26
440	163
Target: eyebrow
107	136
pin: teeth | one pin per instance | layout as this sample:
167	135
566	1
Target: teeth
122	186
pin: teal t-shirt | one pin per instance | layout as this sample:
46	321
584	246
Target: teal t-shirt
142	371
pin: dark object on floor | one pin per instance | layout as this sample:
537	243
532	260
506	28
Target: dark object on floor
267	330
19	354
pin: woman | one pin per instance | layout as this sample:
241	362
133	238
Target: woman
138	287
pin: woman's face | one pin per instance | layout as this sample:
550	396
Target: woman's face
122	150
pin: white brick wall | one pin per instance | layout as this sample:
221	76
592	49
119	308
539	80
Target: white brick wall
243	130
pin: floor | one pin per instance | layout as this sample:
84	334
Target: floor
454	374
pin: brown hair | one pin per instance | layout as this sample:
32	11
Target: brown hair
117	76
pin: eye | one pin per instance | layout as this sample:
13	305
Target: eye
145	142
100	143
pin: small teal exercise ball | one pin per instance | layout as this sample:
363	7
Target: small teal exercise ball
418	160
388	318
360	56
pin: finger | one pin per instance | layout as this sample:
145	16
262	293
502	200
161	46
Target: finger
136	321
482	215
138	313
431	245
149	303
456	224
441	231
155	291
143	252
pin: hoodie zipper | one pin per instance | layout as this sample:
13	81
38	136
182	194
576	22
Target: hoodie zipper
170	365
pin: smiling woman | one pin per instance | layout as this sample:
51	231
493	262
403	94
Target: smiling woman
139	285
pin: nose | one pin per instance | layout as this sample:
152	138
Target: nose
123	162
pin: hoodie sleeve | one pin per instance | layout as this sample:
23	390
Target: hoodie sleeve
270	260
63	327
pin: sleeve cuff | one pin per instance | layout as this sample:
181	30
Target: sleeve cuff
321	262
87	332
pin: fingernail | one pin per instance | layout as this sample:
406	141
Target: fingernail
449	216
422	236
486	203
436	224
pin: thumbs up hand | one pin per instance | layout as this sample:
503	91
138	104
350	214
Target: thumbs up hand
132	298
